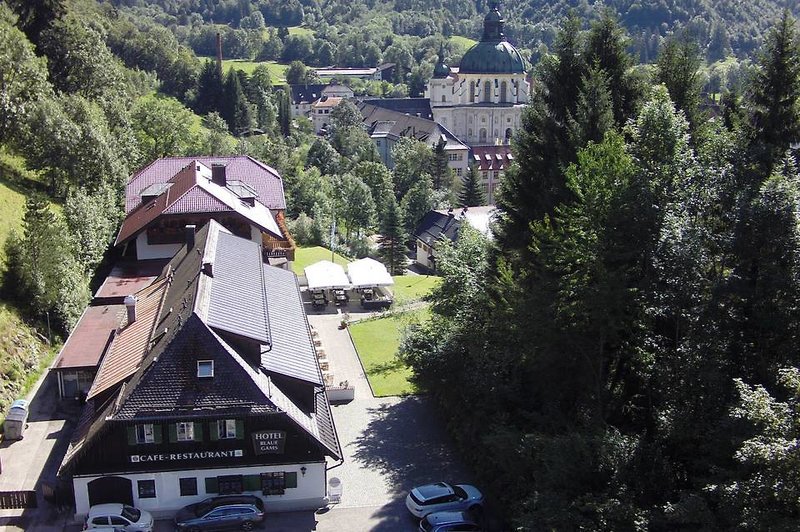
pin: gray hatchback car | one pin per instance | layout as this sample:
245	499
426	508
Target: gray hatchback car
225	512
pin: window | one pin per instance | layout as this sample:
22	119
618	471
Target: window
487	91
147	489
452	157
273	483
485	174
205	368
503	92
471	91
443	98
144	433
185	431
226	429
459	171
188	486
482	135
230	484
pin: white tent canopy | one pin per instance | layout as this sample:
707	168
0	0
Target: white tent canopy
368	272
325	274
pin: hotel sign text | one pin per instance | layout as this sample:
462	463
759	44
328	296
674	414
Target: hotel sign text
269	441
198	455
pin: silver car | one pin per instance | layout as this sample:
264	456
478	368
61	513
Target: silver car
441	497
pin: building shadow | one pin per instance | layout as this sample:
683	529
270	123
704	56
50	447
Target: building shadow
406	441
46	405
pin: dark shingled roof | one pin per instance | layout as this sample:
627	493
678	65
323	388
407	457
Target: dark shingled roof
166	385
292	352
436	226
419	107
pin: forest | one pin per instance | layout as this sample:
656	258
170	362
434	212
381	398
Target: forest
623	355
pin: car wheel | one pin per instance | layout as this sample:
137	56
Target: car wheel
476	510
247	525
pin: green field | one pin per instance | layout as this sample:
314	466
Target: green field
300	30
277	71
377	342
409	288
464	42
307	256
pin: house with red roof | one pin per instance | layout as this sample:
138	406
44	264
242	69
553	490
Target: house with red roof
242	194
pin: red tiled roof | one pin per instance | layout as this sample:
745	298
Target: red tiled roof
492	157
265	180
129	345
129	277
85	346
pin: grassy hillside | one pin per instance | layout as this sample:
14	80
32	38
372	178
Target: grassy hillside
24	353
276	70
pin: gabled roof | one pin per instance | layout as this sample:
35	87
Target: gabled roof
263	179
191	191
419	107
497	157
436	225
292	353
381	122
238	299
165	383
130	342
306	93
89	339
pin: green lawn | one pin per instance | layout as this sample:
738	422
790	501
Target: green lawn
277	70
377	342
307	256
408	288
464	42
300	30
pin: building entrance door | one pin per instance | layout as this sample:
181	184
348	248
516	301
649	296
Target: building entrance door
110	489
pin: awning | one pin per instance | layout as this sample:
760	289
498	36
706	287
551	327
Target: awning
325	274
368	272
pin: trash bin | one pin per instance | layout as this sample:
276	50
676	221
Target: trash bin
17	418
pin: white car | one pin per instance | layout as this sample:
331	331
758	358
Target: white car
441	497
118	515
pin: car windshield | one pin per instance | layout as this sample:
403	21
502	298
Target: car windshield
426	525
460	492
131	514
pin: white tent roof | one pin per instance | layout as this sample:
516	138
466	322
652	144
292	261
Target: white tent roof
368	272
325	274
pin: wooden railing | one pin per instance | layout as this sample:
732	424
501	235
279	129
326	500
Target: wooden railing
17	499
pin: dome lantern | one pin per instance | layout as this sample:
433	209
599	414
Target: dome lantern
493	54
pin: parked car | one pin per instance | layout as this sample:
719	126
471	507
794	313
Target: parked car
224	512
449	522
441	497
118	515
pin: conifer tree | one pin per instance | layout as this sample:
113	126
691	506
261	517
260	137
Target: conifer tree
209	90
471	194
236	110
440	171
775	120
594	114
678	69
392	239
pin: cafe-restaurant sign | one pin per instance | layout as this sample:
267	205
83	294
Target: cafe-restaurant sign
269	441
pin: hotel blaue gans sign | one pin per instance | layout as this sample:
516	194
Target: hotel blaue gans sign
269	441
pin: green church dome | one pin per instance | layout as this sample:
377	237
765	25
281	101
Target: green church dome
493	54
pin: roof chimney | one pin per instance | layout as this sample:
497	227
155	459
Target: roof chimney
218	174
130	306
190	231
219	54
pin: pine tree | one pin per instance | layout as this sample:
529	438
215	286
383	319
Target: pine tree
678	69
594	114
236	110
392	239
775	95
209	90
471	194
284	112
440	171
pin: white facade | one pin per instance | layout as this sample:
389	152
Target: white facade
310	492
479	108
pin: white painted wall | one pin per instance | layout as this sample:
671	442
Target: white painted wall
146	251
308	495
422	255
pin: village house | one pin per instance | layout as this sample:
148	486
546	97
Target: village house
439	225
210	384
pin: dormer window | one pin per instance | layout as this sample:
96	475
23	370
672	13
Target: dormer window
205	368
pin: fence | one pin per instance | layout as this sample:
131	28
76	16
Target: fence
17	499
